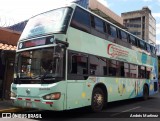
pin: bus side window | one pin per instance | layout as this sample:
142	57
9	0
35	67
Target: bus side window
112	33
103	63
133	71
153	50
141	72
132	40
81	20
121	68
94	65
138	43
142	44
123	36
148	72
98	27
97	66
112	67
98	24
79	64
126	70
148	48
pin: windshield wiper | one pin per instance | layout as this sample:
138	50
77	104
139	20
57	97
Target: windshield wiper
44	76
36	77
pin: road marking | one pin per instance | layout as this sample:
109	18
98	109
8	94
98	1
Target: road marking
125	111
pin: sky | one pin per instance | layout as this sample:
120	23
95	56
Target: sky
13	11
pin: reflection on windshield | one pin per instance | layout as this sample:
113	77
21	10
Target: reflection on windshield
38	64
47	23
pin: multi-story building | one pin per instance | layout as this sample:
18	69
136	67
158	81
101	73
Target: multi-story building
141	23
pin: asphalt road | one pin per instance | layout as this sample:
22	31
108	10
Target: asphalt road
133	109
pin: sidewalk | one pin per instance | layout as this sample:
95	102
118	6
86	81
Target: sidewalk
6	106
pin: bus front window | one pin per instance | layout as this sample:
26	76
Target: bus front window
53	21
39	64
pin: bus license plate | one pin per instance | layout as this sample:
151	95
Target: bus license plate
29	104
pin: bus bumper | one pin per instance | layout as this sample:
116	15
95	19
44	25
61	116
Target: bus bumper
39	103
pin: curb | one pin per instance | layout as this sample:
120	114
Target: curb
13	110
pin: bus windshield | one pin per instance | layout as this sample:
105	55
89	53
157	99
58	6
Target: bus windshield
39	64
46	23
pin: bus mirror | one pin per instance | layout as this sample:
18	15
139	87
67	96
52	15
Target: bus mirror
66	44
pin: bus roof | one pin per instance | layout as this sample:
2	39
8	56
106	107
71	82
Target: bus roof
74	5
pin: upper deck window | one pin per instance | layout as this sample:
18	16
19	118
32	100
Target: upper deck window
123	36
53	21
97	23
142	44
133	40
113	31
153	50
81	20
148	48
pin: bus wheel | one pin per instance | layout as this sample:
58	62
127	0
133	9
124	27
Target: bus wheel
97	100
145	92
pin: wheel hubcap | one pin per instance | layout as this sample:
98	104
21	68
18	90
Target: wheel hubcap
98	99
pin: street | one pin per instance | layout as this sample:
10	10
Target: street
121	110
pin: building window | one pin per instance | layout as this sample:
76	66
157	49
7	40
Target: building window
135	20
136	33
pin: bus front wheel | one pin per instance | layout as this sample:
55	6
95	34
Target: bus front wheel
97	100
145	92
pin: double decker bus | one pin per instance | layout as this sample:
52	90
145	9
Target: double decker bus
69	57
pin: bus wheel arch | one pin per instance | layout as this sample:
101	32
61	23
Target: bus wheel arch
99	97
145	91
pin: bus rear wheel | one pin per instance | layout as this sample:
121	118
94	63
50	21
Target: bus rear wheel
97	103
145	92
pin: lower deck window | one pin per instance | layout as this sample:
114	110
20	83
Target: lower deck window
81	66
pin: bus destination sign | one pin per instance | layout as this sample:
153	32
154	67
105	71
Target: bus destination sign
34	43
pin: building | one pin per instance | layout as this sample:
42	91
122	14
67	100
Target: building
8	42
141	23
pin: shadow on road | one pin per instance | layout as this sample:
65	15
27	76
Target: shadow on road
86	113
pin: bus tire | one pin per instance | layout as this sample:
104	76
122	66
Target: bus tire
145	92
97	102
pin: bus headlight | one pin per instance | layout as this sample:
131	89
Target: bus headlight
13	95
52	96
